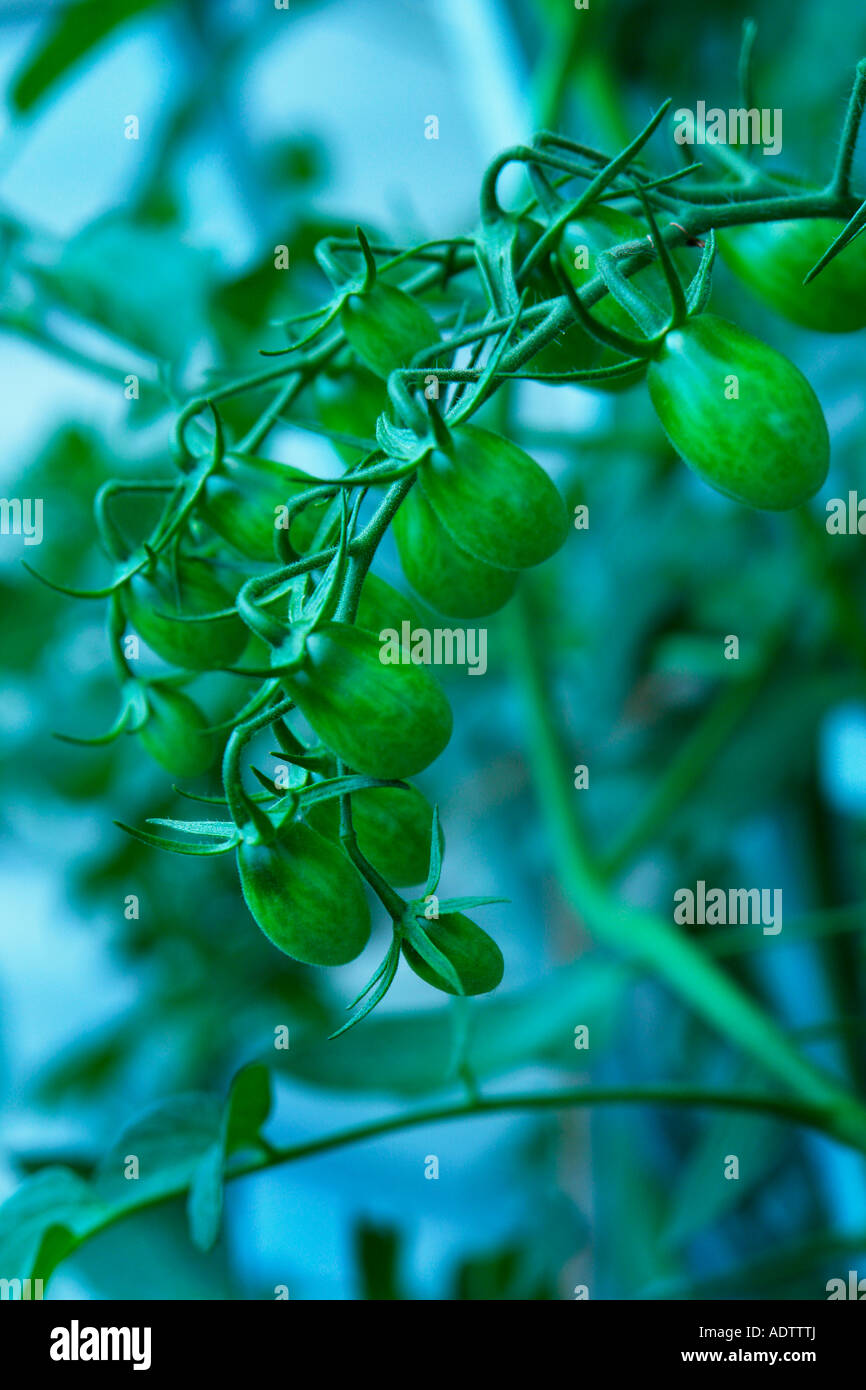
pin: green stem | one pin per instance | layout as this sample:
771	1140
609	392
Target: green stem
243	810
687	767
475	1107
841	181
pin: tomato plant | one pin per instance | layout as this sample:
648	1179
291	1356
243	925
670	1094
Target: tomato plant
398	428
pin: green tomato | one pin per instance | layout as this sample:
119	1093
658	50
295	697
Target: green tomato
443	574
241	502
773	257
769	447
393	827
151	601
382	606
306	895
176	733
493	499
386	327
475	956
350	404
389	721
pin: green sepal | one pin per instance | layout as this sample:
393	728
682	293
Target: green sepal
313	762
698	292
631	347
415	935
434	872
475	398
848	233
132	715
211	800
266	782
460	904
219	613
175	846
344	786
253	705
382	980
398	442
216	828
111	588
323	604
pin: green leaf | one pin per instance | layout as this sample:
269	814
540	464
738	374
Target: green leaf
77	28
179	1144
411	1053
168	1142
249	1105
57	1242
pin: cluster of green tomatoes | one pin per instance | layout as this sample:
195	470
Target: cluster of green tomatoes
469	509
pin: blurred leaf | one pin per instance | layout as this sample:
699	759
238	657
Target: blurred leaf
405	1054
55	1197
140	283
77	28
179	1144
629	1205
702	1194
149	1256
168	1141
249	1105
86	1066
205	1202
246	1110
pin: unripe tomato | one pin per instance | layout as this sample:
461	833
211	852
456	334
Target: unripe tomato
447	577
176	733
386	327
149	602
350	403
306	896
382	606
773	257
474	955
241	502
388	721
393	827
769	447
493	499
